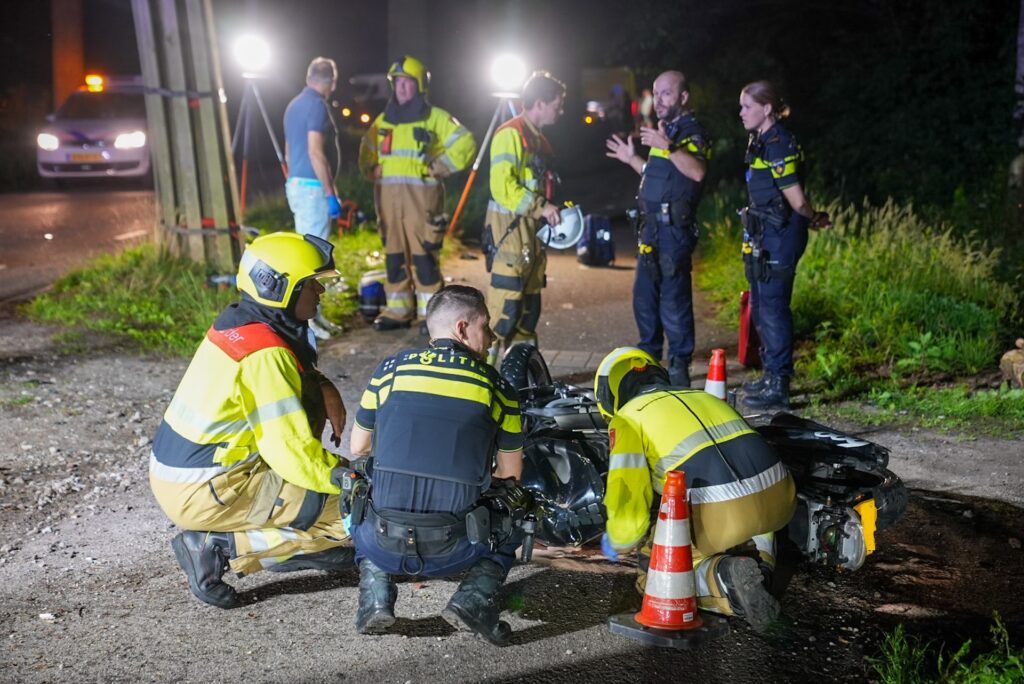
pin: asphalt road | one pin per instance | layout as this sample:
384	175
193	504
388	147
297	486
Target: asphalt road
44	234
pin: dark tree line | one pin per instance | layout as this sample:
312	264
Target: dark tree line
912	99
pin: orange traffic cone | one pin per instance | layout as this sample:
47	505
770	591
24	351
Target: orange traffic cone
715	384
669	615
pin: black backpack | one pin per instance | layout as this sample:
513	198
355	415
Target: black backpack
596	247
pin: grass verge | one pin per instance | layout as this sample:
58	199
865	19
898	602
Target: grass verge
886	303
160	303
905	660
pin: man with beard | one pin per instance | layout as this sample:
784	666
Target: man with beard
670	188
407	152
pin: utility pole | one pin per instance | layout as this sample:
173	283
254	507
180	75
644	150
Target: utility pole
68	52
194	175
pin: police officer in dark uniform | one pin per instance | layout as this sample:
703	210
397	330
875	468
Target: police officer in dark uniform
775	236
434	421
670	188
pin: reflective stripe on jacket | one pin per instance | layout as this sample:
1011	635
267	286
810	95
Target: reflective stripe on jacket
241	397
440	401
405	151
658	432
517	169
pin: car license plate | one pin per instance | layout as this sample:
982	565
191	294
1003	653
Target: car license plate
86	157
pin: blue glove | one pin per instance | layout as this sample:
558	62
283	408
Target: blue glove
333	207
608	550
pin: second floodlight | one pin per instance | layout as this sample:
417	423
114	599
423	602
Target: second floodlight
508	73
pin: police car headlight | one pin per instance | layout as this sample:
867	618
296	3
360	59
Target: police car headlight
48	142
130	141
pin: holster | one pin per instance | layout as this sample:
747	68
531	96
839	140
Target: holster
478	525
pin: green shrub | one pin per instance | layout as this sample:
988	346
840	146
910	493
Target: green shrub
883	292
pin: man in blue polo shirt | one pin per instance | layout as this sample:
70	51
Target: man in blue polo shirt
308	130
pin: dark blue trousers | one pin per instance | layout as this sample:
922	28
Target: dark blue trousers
662	292
772	293
460	556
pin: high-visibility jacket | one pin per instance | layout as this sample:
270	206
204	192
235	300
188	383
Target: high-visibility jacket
520	169
405	151
241	398
725	462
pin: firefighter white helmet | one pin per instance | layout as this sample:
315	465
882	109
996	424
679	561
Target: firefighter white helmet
565	234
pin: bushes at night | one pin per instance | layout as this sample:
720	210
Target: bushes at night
882	293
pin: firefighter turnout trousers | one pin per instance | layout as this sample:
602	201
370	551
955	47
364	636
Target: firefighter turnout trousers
271	520
412	228
517	276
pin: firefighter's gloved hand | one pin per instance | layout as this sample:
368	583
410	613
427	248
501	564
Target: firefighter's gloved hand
333	207
608	550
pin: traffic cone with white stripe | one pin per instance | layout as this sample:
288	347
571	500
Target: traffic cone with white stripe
669	615
715	384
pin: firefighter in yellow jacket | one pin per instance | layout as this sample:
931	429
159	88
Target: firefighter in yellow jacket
407	151
522	186
237	462
739	491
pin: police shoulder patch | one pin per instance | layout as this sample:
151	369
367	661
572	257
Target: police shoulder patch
778	167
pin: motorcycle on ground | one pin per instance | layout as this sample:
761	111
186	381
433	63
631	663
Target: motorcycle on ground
846	493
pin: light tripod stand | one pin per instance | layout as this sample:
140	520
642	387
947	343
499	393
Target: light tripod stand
503	100
243	128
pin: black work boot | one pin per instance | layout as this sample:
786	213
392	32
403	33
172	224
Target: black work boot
679	372
333	559
472	607
756	386
774	396
742	582
204	557
377	596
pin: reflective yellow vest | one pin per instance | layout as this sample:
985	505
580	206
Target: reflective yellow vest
405	151
241	398
520	156
658	432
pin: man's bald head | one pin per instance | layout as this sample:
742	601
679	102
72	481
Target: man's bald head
672	79
671	92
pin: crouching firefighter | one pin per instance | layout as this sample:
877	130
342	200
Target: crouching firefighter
238	462
434	420
739	491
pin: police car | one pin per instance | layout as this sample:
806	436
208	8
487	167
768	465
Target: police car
99	131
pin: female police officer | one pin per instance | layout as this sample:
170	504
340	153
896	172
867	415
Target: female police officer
774	237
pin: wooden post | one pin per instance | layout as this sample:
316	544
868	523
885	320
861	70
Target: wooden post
186	177
158	134
212	181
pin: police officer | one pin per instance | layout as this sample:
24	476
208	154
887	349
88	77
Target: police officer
739	491
435	420
407	151
670	188
775	235
237	462
522	187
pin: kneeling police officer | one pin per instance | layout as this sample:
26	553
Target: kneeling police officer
434	421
